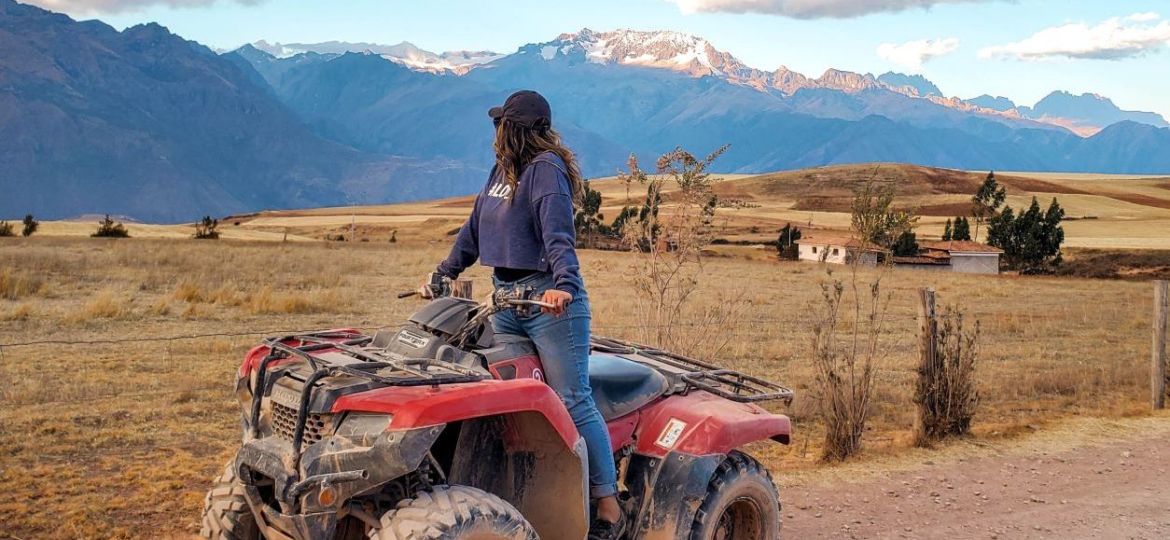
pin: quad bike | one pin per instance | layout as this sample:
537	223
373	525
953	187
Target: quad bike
442	430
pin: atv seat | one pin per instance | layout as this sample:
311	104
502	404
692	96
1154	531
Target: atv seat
622	386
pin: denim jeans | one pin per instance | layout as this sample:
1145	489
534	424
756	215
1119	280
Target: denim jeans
563	345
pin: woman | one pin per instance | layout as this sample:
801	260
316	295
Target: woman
522	226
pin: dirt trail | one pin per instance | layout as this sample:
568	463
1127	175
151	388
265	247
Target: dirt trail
1118	489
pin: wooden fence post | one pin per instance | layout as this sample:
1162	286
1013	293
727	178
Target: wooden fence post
928	366
1158	354
461	288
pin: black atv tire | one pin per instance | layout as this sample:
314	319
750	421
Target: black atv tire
454	513
742	503
226	515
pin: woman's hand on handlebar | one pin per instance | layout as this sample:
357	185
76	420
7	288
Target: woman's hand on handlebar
558	299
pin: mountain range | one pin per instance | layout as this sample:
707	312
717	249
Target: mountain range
144	123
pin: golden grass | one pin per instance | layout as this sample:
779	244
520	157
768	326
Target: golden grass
110	440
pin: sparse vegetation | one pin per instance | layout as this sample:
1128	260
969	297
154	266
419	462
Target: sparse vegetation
668	266
6	229
30	225
1049	349
205	229
108	228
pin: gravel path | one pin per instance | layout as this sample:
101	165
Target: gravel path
1117	490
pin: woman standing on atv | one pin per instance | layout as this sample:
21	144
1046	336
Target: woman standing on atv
522	227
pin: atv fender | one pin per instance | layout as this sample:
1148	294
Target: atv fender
700	423
515	440
670	490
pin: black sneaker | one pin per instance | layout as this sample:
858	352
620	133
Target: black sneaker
604	530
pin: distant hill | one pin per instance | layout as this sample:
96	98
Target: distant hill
146	124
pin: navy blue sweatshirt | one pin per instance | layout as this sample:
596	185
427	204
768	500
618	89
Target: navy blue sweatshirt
531	231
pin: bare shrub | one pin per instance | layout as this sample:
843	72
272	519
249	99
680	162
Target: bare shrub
205	229
668	244
850	320
945	393
6	229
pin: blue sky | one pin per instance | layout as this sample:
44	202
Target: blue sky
762	33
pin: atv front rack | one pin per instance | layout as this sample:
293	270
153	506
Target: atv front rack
697	374
369	364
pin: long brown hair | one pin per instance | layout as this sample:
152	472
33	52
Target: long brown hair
517	145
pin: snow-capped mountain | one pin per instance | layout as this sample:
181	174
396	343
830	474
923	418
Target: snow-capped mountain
694	56
404	53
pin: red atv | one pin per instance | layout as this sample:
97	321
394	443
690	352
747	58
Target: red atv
442	430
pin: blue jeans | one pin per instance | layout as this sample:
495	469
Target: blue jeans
563	345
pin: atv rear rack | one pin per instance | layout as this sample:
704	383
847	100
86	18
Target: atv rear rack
697	374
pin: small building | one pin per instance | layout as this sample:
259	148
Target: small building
963	256
838	250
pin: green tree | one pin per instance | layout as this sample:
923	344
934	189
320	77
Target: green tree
961	230
108	228
906	245
986	201
1030	240
873	217
618	228
6	229
588	218
947	232
30	225
786	247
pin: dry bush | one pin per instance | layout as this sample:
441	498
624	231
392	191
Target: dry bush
668	246
15	285
848	330
945	393
107	304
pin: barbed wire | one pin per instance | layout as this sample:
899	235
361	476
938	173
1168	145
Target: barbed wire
184	337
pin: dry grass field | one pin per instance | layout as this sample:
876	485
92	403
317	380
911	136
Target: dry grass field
119	440
1105	211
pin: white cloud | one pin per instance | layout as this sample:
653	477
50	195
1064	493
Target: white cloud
1112	39
118	6
810	9
912	54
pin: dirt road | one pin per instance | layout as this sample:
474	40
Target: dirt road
1114	490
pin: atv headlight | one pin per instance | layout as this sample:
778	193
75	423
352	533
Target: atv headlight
363	429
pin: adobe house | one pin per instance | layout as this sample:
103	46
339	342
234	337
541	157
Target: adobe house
839	250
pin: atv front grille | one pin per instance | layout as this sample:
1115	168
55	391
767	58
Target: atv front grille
284	424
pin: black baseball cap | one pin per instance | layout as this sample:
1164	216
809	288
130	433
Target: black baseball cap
526	108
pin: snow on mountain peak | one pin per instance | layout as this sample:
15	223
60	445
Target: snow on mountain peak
405	53
675	51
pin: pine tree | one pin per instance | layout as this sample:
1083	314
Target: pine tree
588	218
962	229
1031	240
786	247
947	232
30	225
986	201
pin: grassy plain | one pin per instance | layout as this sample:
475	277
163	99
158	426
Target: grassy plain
119	440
